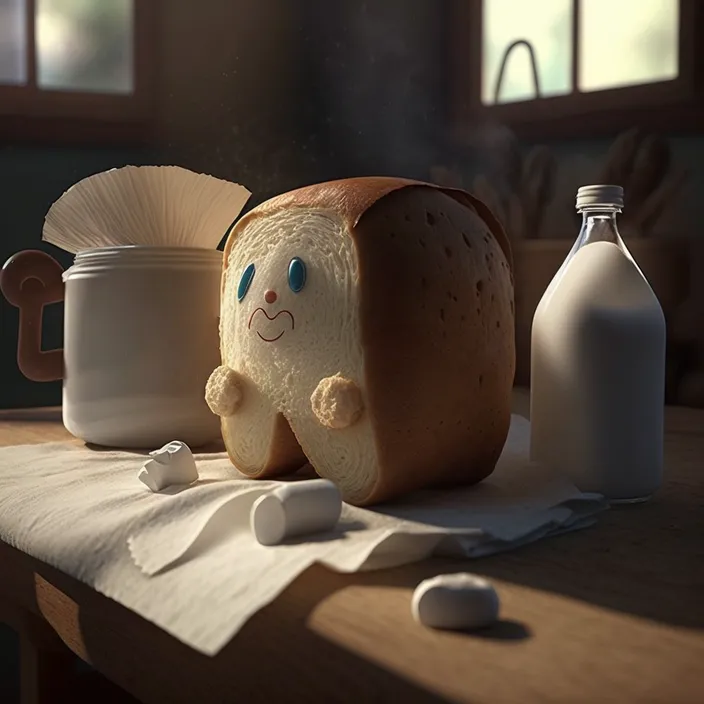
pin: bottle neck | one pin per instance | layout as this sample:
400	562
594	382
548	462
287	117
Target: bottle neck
600	225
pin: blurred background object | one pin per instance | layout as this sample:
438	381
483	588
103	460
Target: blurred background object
522	189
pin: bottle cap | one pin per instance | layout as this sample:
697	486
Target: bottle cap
608	196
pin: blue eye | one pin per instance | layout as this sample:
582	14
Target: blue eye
296	274
245	281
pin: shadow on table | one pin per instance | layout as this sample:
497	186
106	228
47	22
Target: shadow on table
253	667
646	559
655	574
31	415
154	667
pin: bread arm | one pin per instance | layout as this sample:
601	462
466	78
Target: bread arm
337	402
223	391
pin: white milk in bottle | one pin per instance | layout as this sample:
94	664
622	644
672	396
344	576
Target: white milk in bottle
598	363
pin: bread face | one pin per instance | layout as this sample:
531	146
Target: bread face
315	333
406	305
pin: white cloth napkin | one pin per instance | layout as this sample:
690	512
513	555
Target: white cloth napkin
185	558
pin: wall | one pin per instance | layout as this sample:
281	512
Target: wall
380	79
280	93
233	91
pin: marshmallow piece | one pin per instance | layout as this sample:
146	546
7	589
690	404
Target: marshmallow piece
172	464
460	601
295	509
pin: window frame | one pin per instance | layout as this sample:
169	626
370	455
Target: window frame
674	105
31	114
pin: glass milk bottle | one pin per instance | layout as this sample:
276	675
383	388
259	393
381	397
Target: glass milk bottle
598	363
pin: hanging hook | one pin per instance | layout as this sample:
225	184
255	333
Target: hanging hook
504	60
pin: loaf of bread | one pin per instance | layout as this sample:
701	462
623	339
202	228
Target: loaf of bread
367	328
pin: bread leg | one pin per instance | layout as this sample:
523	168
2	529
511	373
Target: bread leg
339	446
258	438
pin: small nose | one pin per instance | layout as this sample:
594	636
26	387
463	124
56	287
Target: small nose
270	296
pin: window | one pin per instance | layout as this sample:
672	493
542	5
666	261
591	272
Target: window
602	61
73	63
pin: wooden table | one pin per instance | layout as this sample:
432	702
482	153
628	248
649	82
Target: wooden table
614	613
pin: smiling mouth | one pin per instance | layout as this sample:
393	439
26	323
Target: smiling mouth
269	339
271	319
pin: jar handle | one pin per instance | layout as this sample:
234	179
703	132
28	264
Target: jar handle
30	280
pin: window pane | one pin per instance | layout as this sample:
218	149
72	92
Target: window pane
85	45
13	42
547	25
627	42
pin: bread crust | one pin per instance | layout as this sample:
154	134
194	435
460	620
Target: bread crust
351	198
437	324
436	313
